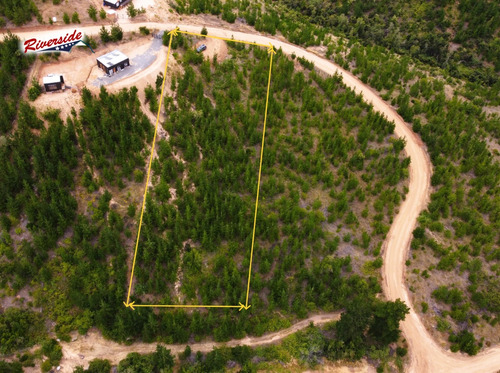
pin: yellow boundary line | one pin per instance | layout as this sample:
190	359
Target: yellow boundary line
240	306
221	38
149	172
258	181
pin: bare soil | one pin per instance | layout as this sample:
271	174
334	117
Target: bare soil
79	67
343	367
48	10
492	110
62	100
215	47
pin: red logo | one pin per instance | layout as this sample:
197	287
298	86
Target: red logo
60	43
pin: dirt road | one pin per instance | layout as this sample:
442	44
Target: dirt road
425	354
93	345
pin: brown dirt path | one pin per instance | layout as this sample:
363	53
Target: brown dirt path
93	345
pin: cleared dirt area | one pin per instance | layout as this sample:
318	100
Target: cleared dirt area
144	4
492	110
64	101
215	47
48	10
344	367
80	67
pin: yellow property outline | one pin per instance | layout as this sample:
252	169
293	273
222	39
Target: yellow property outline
240	306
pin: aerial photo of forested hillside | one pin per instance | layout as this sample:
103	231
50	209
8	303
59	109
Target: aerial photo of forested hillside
262	187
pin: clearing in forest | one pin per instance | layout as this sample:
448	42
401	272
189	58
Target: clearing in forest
240	305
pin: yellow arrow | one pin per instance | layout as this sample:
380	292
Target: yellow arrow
149	169
131	305
243	306
221	38
270	49
174	31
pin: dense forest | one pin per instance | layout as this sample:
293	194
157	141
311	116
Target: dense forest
13	66
333	176
208	228
423	30
458	36
438	64
18	11
460	228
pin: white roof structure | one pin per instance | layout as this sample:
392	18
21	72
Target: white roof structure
52	78
114	2
112	58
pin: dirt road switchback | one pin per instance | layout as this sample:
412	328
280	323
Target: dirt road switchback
425	355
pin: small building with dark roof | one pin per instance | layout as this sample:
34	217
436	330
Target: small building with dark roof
113	62
53	82
115	3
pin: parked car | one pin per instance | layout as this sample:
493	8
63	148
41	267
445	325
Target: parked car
201	48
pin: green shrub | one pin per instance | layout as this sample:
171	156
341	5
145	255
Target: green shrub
131	11
66	18
53	350
465	342
401	351
158	83
91	41
306	63
75	18
149	93
35	90
138	176
104	34
92	11
116	33
442	324
99	366
177	41
20	329
131	210
5	222
186	353
227	14
144	30
377	263
14	367
46	366
453	296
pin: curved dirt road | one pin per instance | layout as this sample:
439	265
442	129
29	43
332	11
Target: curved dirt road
425	354
93	345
